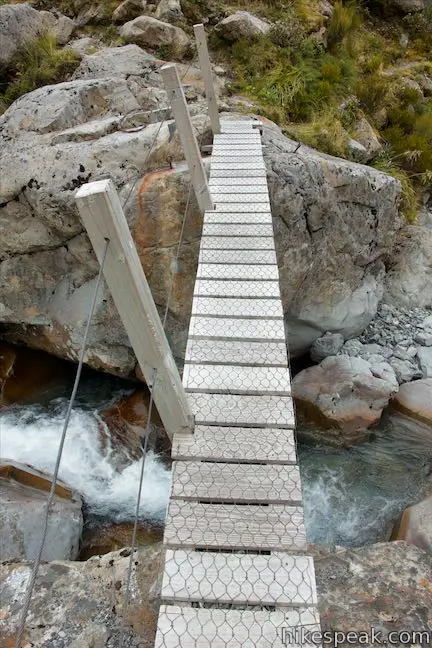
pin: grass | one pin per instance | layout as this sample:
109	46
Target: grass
39	63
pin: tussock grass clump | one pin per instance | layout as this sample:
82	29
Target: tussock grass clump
40	62
344	23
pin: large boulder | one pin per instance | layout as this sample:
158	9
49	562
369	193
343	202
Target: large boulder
335	227
23	496
147	31
409	278
415	525
20	23
242	24
55	139
415	400
345	395
385	587
89	609
128	10
169	10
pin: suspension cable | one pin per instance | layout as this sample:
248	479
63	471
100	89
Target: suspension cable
51	495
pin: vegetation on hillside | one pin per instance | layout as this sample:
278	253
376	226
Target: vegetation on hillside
40	62
318	83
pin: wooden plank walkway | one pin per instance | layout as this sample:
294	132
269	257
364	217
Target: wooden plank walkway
236	573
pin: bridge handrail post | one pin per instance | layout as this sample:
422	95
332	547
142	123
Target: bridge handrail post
103	217
206	71
188	140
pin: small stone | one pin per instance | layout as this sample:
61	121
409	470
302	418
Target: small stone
327	345
424	338
352	348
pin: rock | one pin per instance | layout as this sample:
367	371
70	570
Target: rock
23	493
128	10
367	137
20	23
425	83
345	395
147	31
241	24
424	338
383	586
327	345
55	139
415	525
407	6
357	151
169	10
425	359
405	370
98	540
408	282
123	62
89	597
127	423
335	223
352	348
28	376
415	400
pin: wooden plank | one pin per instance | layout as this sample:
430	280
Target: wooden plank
103	217
262	257
241	483
244	579
237	230
247	272
232	307
236	329
236	288
243	379
206	71
235	352
230	444
195	627
238	217
241	410
237	243
197	525
188	140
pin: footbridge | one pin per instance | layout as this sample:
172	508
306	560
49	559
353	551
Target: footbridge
236	572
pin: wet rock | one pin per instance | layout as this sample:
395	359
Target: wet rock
415	400
415	525
344	394
384	586
128	10
242	24
424	355
147	31
335	223
327	345
23	494
89	601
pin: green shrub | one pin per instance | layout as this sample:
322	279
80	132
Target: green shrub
325	133
344	22
287	33
38	63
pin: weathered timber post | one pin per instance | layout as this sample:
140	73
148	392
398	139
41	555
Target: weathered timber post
206	71
188	140
103	217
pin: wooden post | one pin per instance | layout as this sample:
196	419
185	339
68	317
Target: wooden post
187	136
206	71
102	214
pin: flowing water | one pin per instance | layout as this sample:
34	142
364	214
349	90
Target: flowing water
351	497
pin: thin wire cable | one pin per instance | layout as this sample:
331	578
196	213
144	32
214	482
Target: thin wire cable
51	495
138	502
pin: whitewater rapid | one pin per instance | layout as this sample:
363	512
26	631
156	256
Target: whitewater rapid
31	435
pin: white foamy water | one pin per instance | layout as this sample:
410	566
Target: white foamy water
31	435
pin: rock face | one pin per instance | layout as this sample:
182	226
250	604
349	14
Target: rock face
383	586
415	400
147	31
409	278
57	138
89	597
23	494
335	226
241	24
20	23
345	394
415	525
